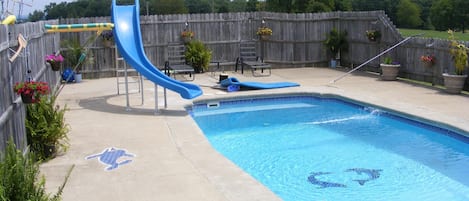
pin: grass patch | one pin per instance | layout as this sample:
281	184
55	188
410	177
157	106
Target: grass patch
433	34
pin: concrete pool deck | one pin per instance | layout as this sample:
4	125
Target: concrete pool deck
174	161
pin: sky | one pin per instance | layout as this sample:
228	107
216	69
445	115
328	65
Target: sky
36	5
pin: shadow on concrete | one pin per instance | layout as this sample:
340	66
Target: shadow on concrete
102	104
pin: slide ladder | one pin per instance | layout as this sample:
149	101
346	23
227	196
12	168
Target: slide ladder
129	43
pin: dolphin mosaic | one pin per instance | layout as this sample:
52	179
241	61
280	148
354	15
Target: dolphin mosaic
323	184
372	174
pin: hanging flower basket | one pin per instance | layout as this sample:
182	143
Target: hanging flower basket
373	35
55	66
107	43
54	60
27	98
31	91
428	60
265	37
264	32
187	36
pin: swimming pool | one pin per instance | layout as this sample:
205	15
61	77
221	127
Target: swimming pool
311	148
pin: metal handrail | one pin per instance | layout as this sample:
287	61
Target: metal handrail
375	57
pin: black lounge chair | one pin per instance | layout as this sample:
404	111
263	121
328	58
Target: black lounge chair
248	57
176	63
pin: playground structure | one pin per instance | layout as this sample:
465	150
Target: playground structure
8	13
126	29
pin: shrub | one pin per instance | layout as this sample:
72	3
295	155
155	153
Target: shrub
198	55
20	179
20	176
46	128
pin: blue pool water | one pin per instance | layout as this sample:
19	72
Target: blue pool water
309	148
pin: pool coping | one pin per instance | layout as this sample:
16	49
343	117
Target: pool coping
393	111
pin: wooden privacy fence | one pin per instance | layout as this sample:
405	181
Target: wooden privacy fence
297	41
12	110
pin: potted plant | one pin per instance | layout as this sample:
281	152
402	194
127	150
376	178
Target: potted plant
459	52
46	129
335	42
373	35
55	60
264	32
187	35
389	69
31	91
198	56
108	38
76	56
428	60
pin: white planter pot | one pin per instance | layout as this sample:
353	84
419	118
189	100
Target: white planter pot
454	83
333	63
389	72
78	78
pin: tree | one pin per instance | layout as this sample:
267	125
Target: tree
251	6
316	7
55	11
238	6
441	15
367	5
198	6
461	15
168	7
36	16
299	6
284	6
408	14
343	5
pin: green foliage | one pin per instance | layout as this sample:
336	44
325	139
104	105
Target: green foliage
20	177
251	6
336	41
450	14
387	60
238	6
317	7
433	34
80	8
459	53
198	55
441	15
76	54
198	6
46	127
285	6
168	6
408	14
36	16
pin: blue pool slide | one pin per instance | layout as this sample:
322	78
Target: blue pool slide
234	84
129	43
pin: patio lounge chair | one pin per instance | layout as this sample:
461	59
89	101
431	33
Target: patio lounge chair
176	63
248	57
